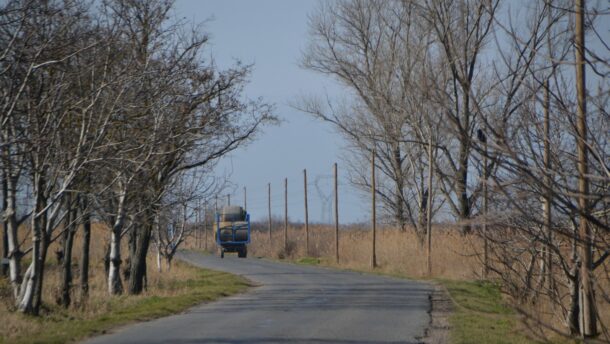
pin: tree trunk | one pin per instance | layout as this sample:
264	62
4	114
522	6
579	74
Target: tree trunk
69	233
399	207
39	280
137	280
31	289
115	286
5	249
11	230
574	308
159	267
462	184
84	262
168	263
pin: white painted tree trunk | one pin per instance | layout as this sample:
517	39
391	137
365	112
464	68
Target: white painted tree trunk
115	285
26	290
14	255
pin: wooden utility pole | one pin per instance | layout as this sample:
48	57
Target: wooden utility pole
485	196
336	216
285	215
588	319
429	207
245	199
373	212
546	203
306	213
269	208
199	227
205	224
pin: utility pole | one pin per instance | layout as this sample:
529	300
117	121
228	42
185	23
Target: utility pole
483	139
269	208
588	319
546	205
228	199
429	207
198	220
374	212
306	213
485	200
285	215
205	224
336	216
245	199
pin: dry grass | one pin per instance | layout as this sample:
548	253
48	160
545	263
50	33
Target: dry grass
453	255
99	310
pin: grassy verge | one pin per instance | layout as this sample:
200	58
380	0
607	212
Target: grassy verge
196	286
480	314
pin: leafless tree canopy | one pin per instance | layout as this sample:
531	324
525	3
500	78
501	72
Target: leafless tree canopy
513	97
108	111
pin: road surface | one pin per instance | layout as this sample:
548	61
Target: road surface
293	304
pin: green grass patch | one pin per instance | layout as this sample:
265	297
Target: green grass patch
480	315
308	261
204	286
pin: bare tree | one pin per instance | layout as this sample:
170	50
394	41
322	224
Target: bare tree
376	50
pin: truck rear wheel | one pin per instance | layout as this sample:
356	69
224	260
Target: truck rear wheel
243	252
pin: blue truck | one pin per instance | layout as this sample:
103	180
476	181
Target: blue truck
233	231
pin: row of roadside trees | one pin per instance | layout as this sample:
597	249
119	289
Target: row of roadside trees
109	112
498	110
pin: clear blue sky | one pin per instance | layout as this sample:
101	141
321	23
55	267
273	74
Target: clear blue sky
271	34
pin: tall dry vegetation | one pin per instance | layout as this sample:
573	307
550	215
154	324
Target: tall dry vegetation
90	305
109	113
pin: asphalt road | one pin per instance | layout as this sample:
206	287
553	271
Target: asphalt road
293	304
